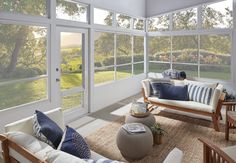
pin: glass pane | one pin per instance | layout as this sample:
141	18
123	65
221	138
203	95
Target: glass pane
190	70
159	48
103	49
102	17
215	72
71	10
218	15
138	68
160	23
215	49
158	67
25	7
23	51
138	48
138	24
185	20
71	60
123	49
22	92
123	72
104	74
215	54
184	49
72	101
123	21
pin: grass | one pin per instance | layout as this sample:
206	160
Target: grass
21	93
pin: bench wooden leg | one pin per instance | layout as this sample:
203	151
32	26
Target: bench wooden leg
227	131
215	121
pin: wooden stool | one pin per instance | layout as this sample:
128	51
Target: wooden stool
230	117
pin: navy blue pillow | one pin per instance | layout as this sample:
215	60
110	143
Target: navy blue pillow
155	88
46	129
172	92
74	144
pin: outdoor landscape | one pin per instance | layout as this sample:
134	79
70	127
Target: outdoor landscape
24	49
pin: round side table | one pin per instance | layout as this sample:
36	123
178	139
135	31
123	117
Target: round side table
134	146
148	120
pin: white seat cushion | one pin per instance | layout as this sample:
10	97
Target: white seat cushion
184	104
230	151
57	156
30	143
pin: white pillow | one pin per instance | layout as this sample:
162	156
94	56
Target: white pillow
31	143
203	84
57	156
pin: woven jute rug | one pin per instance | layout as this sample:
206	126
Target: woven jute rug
183	133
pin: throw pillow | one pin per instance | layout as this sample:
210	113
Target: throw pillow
200	94
74	144
172	92
46	129
155	86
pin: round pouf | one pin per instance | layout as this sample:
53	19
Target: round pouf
134	146
148	120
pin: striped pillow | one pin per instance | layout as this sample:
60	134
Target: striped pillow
200	93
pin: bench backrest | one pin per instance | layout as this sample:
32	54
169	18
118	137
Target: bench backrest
26	125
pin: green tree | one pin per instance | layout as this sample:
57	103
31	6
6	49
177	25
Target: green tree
20	44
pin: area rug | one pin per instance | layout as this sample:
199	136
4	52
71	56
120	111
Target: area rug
182	133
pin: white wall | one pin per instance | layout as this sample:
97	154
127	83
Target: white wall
108	94
132	7
155	7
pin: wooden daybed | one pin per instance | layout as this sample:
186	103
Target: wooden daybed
214	114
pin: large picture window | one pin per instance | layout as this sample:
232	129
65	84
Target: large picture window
114	64
23	64
200	51
103	57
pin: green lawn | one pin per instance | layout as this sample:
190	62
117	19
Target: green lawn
26	92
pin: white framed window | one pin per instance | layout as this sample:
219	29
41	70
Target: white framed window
123	21
103	17
159	23
138	24
71	10
217	15
185	19
25	7
23	64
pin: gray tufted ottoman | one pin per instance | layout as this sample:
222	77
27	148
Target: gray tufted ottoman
134	146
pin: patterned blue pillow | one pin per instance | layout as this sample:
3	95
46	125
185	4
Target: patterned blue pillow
46	129
101	161
200	94
74	144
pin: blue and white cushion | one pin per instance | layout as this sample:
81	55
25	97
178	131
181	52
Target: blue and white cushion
200	94
73	143
46	129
